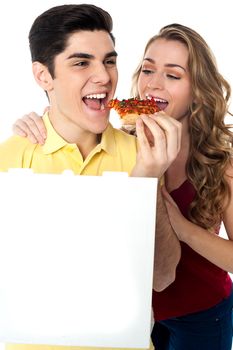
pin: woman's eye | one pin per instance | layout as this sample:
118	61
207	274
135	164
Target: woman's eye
147	71
170	76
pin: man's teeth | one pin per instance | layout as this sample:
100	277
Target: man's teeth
99	96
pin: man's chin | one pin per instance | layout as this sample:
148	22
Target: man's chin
99	129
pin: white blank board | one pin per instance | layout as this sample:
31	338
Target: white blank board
76	259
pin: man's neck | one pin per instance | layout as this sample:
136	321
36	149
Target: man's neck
71	133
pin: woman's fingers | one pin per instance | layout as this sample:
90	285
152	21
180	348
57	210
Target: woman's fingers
152	159
31	126
159	139
142	139
21	128
173	130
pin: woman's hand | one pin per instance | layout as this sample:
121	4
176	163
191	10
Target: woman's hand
178	222
159	139
31	126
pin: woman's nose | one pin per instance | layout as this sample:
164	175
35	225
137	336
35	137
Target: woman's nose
156	82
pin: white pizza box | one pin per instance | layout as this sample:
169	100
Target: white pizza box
76	259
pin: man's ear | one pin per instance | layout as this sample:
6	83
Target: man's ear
42	76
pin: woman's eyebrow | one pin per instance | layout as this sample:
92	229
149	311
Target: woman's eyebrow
172	65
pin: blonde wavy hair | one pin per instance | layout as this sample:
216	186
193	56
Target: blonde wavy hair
210	139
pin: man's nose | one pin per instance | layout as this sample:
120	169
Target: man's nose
100	75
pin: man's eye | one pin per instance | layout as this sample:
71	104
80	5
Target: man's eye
110	62
81	64
170	76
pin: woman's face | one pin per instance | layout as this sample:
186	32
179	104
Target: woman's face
165	77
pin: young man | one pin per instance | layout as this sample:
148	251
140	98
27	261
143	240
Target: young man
74	62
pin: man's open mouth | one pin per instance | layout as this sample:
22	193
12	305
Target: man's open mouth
96	101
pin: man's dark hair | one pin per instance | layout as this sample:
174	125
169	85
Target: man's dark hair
50	31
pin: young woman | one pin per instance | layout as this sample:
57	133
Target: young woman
179	71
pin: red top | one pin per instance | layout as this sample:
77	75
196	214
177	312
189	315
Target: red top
199	284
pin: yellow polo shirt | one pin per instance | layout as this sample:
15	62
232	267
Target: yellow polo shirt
115	152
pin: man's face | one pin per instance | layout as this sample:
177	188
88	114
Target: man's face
85	80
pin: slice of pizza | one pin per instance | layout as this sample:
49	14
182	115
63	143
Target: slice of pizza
129	110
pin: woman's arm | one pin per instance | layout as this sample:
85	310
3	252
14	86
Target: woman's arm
214	248
167	248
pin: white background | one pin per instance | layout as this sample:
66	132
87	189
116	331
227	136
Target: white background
134	22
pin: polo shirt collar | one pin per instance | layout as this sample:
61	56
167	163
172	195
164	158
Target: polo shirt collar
108	140
54	142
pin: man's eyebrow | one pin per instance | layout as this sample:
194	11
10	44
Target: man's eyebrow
89	56
172	65
111	54
80	55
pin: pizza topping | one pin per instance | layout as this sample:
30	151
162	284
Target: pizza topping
134	105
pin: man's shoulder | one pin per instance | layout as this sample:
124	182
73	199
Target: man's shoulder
15	143
12	151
